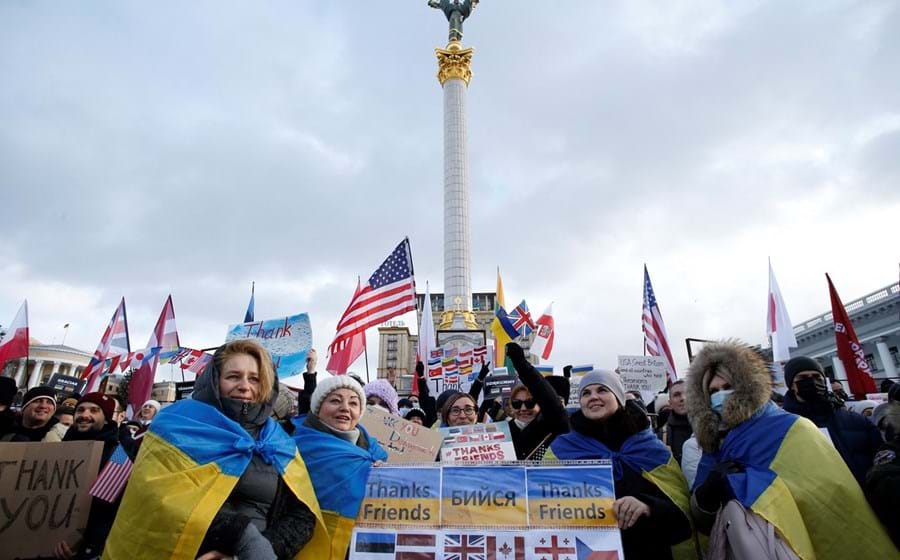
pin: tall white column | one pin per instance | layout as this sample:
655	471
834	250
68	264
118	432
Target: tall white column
839	371
55	369
20	373
887	360
35	378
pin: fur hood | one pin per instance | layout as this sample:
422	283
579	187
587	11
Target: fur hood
749	377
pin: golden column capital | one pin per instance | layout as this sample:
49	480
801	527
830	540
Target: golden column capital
454	62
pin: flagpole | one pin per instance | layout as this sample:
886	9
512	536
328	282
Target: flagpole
366	350
65	334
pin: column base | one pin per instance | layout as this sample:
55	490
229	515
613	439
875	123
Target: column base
458	320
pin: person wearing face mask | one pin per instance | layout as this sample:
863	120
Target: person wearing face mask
652	496
403	406
380	393
538	414
769	483
883	481
217	477
855	438
339	454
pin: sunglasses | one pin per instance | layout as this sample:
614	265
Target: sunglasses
518	403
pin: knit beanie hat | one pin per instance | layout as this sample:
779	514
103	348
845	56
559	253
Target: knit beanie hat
608	379
415	411
106	403
153	403
383	389
442	398
329	384
7	390
39	392
798	364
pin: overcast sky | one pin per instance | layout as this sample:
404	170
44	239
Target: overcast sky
193	147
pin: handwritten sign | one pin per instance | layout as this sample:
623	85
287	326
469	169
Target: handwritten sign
477	443
44	495
402	496
571	496
288	339
499	383
646	374
404	441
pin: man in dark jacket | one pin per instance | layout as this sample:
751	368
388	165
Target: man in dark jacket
36	419
7	394
854	437
678	430
94	422
883	481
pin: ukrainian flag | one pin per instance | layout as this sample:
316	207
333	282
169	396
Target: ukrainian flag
644	453
339	472
779	451
190	461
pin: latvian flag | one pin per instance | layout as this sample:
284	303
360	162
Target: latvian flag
113	477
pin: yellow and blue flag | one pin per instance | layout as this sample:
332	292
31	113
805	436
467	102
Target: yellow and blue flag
780	452
190	461
339	471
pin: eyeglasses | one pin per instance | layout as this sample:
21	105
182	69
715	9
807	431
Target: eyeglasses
518	403
467	410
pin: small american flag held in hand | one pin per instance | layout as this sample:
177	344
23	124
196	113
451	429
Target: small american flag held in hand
113	477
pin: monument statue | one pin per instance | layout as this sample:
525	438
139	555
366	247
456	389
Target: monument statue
456	11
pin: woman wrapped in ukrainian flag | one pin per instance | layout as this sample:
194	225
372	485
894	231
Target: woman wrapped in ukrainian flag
217	477
761	465
651	504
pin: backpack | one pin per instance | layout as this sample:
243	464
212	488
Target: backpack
740	534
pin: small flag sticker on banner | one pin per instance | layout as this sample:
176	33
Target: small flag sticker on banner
113	477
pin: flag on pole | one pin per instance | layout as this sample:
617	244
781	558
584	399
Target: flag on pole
347	351
164	336
501	327
778	323
248	316
426	336
191	359
113	343
849	350
389	292
15	344
521	319
134	360
543	339
114	476
656	341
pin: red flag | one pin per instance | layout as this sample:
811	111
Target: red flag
543	338
165	335
15	343
349	349
849	350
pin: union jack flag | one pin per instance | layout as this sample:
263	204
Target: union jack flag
114	342
113	477
464	547
521	320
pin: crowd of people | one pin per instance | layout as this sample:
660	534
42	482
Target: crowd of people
719	466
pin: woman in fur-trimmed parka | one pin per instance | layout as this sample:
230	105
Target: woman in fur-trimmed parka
762	466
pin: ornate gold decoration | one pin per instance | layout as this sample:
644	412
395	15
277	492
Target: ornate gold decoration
468	319
454	62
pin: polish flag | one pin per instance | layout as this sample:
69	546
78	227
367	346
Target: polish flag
544	334
15	343
164	336
778	323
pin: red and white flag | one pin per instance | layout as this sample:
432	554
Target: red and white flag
849	350
348	350
114	476
113	343
544	335
656	342
389	292
191	359
15	344
778	323
164	336
426	329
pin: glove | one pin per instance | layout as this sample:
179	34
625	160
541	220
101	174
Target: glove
715	490
567	372
420	369
516	354
484	371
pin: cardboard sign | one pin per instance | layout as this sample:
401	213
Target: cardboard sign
646	374
499	383
477	443
66	385
404	441
44	495
288	339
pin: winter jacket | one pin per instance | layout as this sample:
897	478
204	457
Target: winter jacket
7	421
20	433
883	488
305	397
553	420
678	430
426	402
854	436
103	513
56	433
281	523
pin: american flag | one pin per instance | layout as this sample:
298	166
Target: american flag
389	292
113	477
114	342
656	342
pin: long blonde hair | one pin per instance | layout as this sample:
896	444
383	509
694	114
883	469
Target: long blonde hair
256	351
